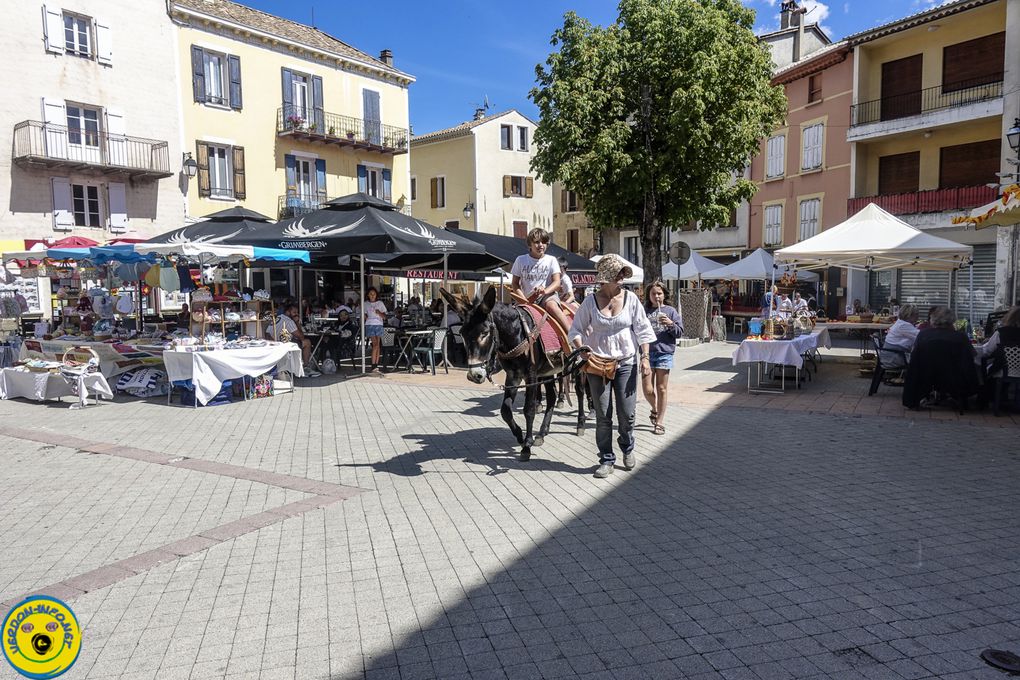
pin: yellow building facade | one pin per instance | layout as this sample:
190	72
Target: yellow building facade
280	117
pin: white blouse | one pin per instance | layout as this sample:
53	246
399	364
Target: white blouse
612	336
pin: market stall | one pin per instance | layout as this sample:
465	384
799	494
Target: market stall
778	352
204	370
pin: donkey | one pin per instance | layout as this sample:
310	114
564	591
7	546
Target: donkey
493	331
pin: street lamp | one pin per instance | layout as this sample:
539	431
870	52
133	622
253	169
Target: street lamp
189	167
468	207
1013	135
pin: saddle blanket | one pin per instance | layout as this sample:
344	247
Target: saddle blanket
548	335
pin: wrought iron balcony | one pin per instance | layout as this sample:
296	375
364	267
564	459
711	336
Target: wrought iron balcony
293	205
944	96
316	125
933	200
48	145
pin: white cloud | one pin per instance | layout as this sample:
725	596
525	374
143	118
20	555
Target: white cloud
846	8
817	13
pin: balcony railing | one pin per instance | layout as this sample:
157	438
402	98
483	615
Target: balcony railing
934	200
49	145
930	99
316	125
293	205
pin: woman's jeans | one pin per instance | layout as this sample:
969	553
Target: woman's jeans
623	390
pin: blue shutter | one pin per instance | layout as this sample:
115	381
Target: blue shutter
320	178
234	68
198	73
387	184
362	179
373	124
318	116
290	163
288	96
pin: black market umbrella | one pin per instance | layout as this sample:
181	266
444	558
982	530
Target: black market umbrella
508	248
219	227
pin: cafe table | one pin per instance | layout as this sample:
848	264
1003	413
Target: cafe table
765	353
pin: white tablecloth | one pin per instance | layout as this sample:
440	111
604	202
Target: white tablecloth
208	370
785	352
43	386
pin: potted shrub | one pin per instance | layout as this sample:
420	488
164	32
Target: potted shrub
332	131
294	121
350	135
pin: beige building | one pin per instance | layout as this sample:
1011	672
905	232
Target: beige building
90	127
477	175
570	225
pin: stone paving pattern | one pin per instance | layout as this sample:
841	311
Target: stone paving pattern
751	541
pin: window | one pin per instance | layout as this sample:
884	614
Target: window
632	249
569	201
775	156
374	181
522	138
219	173
452	224
573	239
214	65
85	205
809	210
814	88
414	189
811	140
82	125
973	63
299	95
77	32
506	137
216	78
438	192
773	225
518	186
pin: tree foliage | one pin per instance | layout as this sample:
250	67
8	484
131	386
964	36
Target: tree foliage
650	119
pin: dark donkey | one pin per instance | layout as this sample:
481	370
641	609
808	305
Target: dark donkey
493	331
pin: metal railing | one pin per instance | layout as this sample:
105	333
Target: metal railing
929	201
293	205
943	96
344	130
39	142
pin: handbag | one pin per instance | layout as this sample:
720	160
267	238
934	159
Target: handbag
604	367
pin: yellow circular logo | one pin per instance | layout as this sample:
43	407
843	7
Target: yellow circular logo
41	637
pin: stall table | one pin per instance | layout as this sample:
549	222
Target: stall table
44	385
207	370
779	353
862	330
114	357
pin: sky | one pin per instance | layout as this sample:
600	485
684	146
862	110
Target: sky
464	52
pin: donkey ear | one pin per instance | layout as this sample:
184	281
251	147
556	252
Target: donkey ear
489	301
455	302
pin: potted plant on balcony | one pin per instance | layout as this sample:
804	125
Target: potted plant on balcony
332	131
295	122
350	135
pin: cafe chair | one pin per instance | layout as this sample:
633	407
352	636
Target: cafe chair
434	348
738	324
1010	376
894	361
388	345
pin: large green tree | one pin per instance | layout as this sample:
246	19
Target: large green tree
650	119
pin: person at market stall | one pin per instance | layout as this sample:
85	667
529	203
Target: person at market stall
799	303
287	321
373	315
768	301
184	317
667	325
610	323
537	274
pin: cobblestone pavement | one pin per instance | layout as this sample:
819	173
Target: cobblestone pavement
383	528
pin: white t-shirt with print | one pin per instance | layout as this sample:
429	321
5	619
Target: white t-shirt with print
534	274
283	323
370	309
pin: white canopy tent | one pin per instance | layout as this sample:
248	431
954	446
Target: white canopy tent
692	270
758	266
639	273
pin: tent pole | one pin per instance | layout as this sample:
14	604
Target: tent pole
970	277
300	295
362	312
445	308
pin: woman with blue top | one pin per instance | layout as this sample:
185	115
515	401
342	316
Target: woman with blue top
667	324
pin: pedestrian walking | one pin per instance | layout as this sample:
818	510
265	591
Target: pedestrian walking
667	324
609	323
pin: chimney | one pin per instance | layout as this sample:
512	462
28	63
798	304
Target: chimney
788	15
386	57
479	113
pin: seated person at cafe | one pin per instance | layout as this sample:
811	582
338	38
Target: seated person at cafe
942	363
1007	334
903	333
288	321
347	335
927	322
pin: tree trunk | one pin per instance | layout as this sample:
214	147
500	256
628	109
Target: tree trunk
651	249
650	234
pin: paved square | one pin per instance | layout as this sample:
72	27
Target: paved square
372	528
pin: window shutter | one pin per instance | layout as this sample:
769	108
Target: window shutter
53	29
288	94
529	187
238	159
104	43
198	73
563	200
387	184
362	179
118	207
234	69
318	116
320	177
55	118
506	185
290	163
435	191
202	157
117	142
63	217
